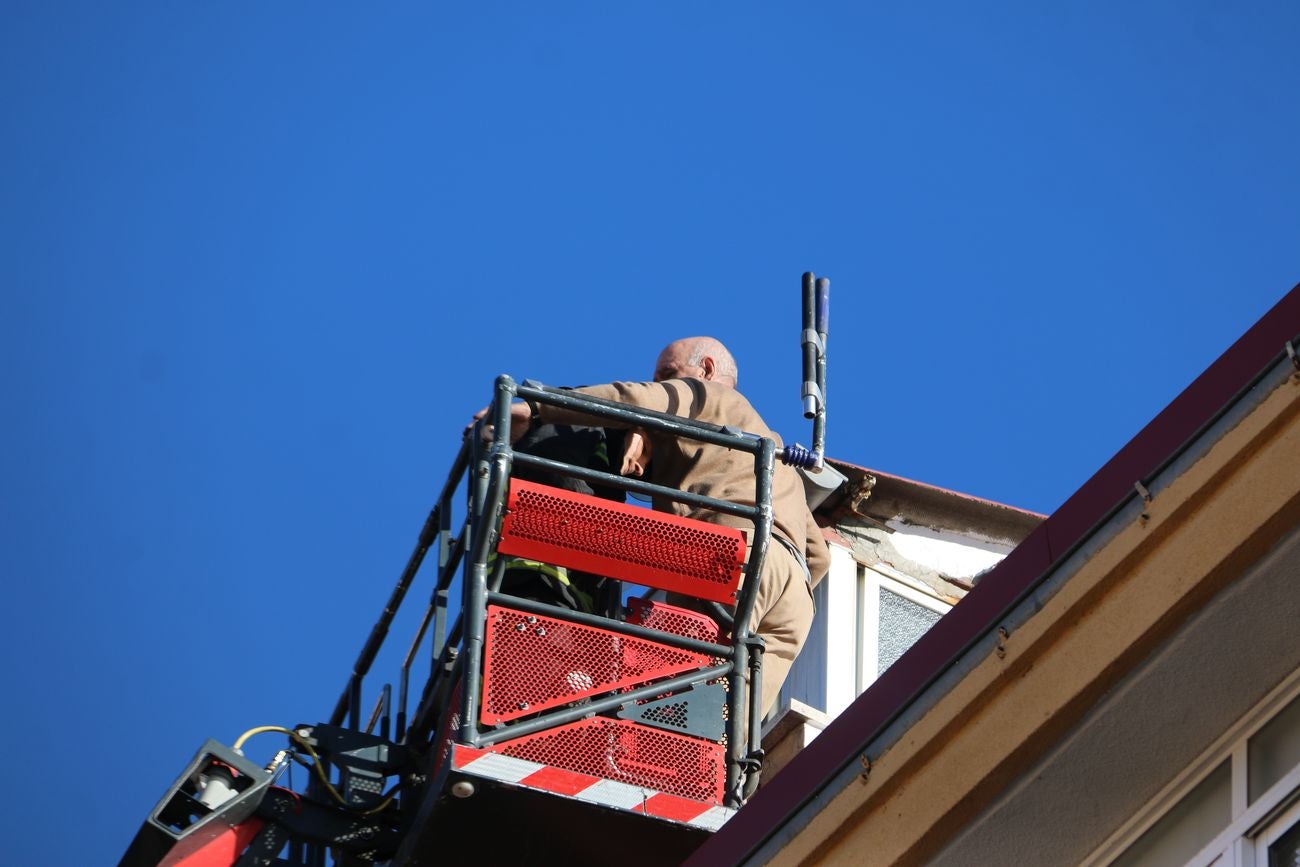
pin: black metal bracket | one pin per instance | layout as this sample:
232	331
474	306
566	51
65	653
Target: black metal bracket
364	761
697	711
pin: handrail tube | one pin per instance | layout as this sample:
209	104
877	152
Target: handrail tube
455	549
438	671
374	713
380	630
404	677
440	593
636	486
571	714
674	424
446	555
594	620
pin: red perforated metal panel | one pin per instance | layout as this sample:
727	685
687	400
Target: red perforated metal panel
670	618
531	663
628	753
624	542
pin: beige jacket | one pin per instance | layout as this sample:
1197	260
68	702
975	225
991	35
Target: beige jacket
710	470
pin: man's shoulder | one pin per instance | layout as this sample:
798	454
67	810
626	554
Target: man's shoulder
728	394
733	408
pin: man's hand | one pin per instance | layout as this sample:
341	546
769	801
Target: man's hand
521	416
636	452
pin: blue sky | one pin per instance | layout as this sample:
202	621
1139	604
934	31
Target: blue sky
260	262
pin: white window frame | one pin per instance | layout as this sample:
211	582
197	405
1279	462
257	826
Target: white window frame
1255	851
871	580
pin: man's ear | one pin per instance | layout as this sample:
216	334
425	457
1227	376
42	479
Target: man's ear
709	366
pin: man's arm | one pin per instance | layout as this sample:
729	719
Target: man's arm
521	417
817	552
671	396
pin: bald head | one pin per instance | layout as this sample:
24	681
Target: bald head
697	358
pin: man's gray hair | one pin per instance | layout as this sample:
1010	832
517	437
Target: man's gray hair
725	365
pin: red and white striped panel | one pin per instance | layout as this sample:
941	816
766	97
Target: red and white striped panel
593	790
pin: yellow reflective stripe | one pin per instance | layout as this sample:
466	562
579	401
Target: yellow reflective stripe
557	572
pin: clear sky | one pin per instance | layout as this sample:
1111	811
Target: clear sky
260	261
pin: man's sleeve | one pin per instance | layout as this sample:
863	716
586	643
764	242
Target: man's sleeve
657	396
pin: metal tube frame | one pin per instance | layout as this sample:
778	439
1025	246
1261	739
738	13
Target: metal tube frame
487	471
439	515
812	344
821	315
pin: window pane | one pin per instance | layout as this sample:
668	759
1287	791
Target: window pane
1274	750
1183	831
902	622
1285	852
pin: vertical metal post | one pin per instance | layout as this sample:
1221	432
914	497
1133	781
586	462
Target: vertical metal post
400	730
765	464
490	489
808	342
744	704
736	716
755	701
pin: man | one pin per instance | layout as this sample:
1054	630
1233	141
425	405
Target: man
696	378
